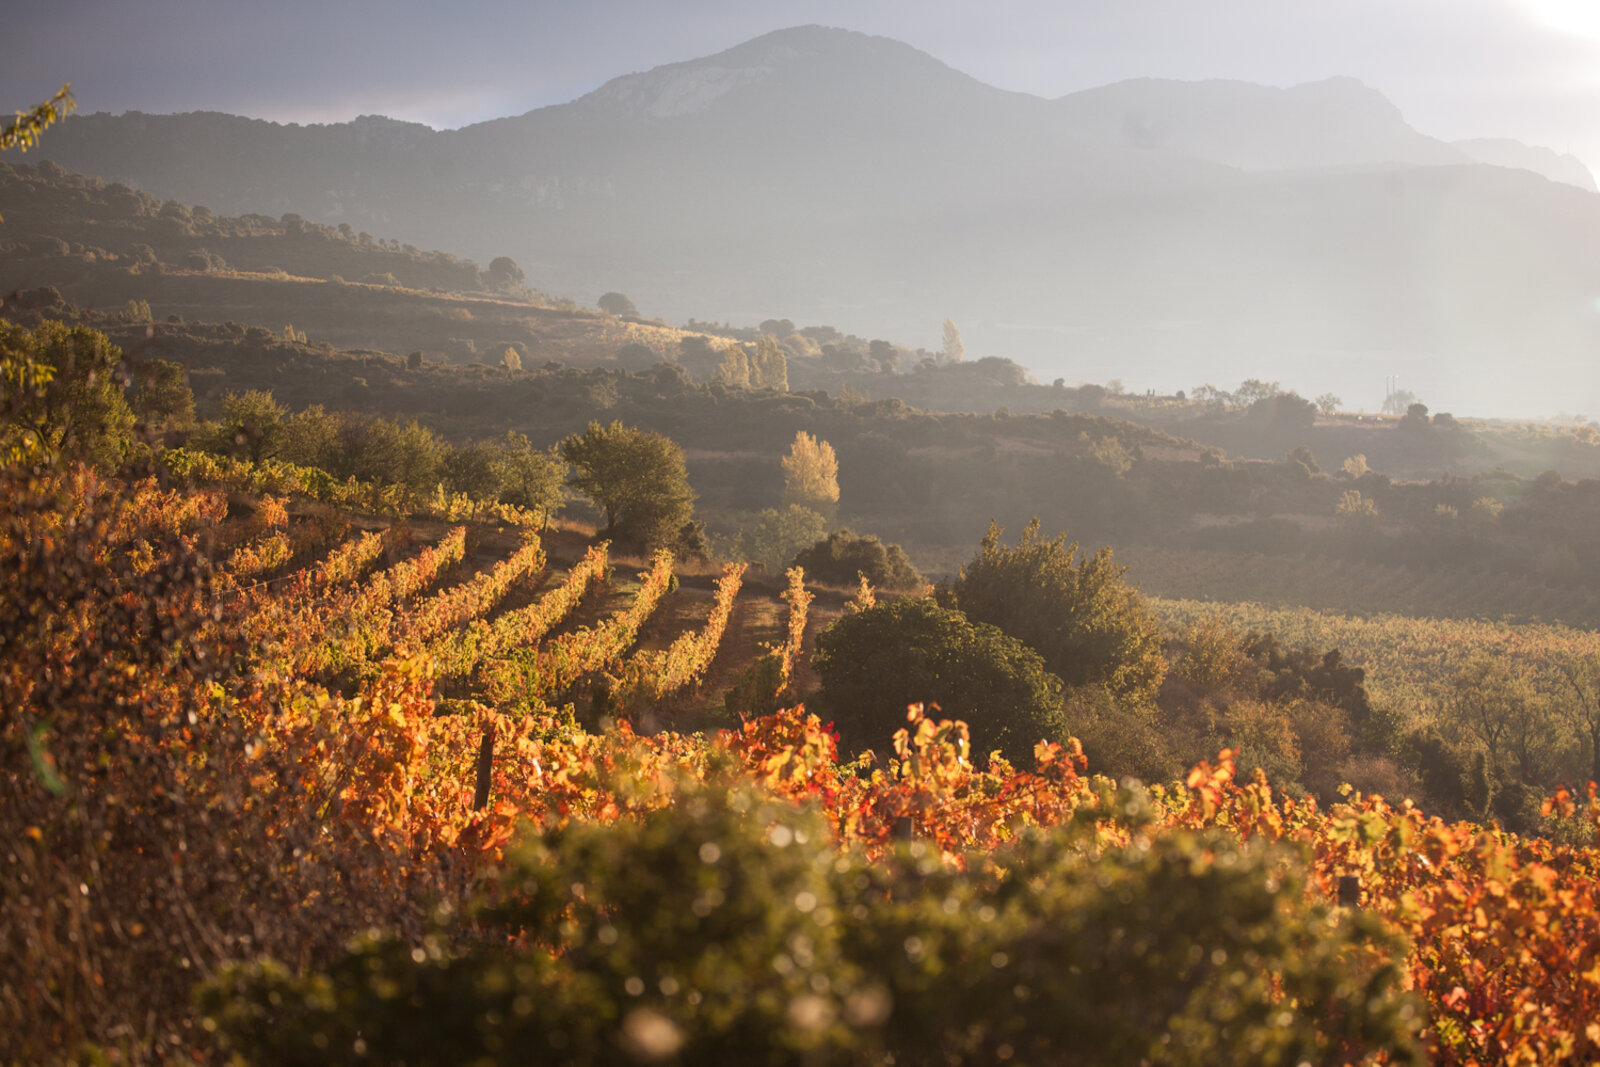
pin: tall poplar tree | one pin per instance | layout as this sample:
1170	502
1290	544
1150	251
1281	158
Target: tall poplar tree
954	350
811	474
769	367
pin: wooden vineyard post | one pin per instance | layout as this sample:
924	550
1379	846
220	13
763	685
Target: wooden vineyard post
480	796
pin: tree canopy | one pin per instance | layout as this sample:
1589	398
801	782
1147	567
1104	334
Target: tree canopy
161	397
59	395
637	478
769	367
503	273
617	304
1091	627
772	537
252	425
838	558
875	662
811	474
529	477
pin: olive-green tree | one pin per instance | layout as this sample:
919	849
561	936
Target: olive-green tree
637	479
393	453
504	275
161	398
314	437
734	370
1579	702
61	395
772	537
252	425
769	366
472	470
1498	708
843	556
617	304
23	380
1515	741
875	662
1089	624
531	478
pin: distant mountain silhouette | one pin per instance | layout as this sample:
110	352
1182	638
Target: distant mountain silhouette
1503	152
1159	232
1334	123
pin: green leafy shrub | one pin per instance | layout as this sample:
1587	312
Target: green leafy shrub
840	557
875	662
1091	626
726	928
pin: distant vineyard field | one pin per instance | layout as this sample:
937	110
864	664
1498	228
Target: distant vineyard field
1407	658
1354	586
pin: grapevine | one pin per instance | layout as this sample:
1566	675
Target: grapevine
472	598
571	656
257	558
179	785
461	650
650	676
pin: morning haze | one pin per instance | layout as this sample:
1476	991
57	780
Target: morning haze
1160	232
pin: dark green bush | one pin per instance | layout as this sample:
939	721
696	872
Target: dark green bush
874	663
726	928
1091	626
842	555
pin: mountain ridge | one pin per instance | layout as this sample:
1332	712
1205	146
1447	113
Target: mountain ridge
1145	230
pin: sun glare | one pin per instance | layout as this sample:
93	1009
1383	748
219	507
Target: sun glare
1578	17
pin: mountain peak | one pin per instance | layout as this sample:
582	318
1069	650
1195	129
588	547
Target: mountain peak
816	38
820	53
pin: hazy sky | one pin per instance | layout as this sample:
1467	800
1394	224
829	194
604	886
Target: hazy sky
1528	69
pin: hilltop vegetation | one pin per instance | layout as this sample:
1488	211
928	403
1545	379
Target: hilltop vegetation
103	245
1493	543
